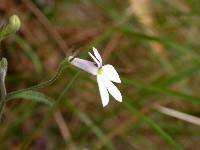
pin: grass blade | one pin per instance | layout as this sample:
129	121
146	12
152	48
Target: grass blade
161	89
153	125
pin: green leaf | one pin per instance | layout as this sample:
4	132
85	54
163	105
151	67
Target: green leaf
31	95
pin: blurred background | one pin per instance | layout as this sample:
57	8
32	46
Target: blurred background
153	44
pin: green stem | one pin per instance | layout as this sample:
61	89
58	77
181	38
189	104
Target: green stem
3	71
3	97
45	83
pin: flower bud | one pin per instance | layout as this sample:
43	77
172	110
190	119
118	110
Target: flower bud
11	27
14	22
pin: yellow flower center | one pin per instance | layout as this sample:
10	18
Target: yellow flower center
100	71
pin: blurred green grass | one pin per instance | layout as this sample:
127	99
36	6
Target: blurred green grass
148	77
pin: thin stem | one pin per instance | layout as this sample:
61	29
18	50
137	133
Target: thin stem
3	71
3	95
45	83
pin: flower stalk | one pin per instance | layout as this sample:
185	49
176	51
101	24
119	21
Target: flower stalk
63	65
3	71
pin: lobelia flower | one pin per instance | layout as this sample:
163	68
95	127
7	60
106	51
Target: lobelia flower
106	74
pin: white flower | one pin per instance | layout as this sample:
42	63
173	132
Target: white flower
105	75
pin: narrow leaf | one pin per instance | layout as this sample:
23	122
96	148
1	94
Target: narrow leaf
31	95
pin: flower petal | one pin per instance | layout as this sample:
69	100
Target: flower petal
85	65
97	55
111	73
103	91
94	58
112	89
